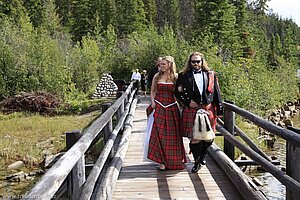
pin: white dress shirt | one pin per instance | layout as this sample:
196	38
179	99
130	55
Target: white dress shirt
199	81
136	76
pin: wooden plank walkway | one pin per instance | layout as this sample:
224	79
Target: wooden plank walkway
141	180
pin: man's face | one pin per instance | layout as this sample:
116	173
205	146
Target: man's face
196	62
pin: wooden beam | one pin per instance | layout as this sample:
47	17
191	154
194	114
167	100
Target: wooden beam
243	184
292	164
87	189
76	178
288	181
269	126
107	185
251	162
51	181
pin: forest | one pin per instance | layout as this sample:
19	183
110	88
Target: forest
64	47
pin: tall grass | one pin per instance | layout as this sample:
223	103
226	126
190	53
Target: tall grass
27	137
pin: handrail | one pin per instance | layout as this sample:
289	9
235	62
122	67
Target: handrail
280	175
291	178
291	136
87	188
107	185
55	176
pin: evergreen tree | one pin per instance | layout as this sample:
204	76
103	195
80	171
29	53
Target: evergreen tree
36	12
168	14
260	6
151	12
83	19
131	16
274	52
13	10
186	17
108	13
64	10
217	17
290	45
52	21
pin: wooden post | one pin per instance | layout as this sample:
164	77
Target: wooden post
76	177
108	128
292	164
229	122
122	106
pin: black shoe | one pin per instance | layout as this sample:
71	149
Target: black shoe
196	167
203	161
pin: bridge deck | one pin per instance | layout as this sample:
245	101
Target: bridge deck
141	180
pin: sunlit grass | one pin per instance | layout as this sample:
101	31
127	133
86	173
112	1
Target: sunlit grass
23	136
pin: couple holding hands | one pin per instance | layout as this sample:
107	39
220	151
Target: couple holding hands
193	89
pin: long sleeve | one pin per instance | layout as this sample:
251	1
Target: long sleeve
217	100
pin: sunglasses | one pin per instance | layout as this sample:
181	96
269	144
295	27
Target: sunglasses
195	61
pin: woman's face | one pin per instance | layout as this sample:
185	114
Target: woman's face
196	62
164	65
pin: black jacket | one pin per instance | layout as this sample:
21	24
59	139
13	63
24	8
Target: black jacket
191	92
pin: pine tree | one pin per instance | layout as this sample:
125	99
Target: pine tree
217	17
151	12
186	17
36	12
130	17
168	14
12	9
108	13
52	21
64	10
83	19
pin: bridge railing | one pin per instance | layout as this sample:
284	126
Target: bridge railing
291	178
70	167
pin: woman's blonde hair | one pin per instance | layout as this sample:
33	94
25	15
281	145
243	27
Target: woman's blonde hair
172	76
204	64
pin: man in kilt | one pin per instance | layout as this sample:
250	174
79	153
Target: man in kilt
197	88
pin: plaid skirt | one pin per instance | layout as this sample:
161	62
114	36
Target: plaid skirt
188	118
165	143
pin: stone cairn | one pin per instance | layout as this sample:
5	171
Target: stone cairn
106	87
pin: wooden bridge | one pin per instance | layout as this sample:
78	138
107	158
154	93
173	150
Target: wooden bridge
142	180
120	173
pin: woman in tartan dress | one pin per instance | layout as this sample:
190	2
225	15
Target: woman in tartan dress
165	144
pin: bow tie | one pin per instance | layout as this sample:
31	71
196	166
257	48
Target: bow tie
197	72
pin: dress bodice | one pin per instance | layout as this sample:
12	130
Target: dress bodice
165	93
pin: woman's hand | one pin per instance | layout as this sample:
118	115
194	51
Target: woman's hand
153	105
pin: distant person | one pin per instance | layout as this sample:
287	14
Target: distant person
143	82
152	72
165	143
136	76
197	88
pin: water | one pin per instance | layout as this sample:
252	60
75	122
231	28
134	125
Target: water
273	189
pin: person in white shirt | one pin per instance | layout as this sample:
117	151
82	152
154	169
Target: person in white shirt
136	76
197	88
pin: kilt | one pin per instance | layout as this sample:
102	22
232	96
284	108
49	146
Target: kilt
166	144
188	118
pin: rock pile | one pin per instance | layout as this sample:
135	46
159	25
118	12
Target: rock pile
106	87
280	117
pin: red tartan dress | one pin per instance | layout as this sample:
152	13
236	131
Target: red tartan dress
165	144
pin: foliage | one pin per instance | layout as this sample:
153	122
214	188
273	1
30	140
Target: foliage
83	63
65	46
